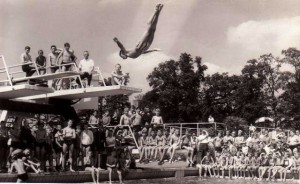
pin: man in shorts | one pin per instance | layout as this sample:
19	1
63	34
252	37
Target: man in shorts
69	136
52	58
68	58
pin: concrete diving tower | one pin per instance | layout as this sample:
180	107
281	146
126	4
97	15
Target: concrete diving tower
24	90
89	92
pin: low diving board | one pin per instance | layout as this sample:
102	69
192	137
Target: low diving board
17	91
49	76
71	94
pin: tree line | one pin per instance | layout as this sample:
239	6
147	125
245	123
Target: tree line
184	93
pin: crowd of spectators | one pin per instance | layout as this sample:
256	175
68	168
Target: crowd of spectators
107	143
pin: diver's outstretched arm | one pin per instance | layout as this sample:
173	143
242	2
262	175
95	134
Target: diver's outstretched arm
120	45
153	50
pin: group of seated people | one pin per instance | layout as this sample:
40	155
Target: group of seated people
96	145
65	60
259	155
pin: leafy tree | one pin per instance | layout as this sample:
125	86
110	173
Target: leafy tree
249	96
175	88
236	123
218	95
290	99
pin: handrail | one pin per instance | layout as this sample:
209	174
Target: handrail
183	125
12	66
6	70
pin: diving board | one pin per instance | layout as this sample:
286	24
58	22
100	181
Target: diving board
71	94
49	76
17	91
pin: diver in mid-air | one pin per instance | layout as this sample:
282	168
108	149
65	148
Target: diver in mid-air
146	41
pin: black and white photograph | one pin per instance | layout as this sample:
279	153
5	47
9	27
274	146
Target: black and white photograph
150	91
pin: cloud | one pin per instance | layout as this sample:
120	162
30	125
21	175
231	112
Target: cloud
266	36
214	68
107	2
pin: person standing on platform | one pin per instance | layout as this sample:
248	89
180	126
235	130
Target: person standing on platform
27	66
29	69
68	58
52	58
41	62
86	68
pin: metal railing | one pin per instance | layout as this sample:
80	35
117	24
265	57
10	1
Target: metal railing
191	126
10	74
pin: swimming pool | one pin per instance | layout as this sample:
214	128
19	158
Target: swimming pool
196	180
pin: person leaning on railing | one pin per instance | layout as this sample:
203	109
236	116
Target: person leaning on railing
27	66
41	62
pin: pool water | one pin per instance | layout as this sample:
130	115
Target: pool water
196	180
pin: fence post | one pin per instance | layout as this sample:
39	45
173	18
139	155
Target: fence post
197	129
180	129
215	128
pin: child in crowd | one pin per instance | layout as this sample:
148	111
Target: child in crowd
253	165
175	141
206	164
19	165
223	164
264	166
150	143
59	145
160	144
90	167
186	143
153	147
78	153
112	165
217	165
287	163
157	119
143	147
230	166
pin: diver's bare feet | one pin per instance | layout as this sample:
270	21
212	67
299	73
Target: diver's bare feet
161	6
116	39
157	7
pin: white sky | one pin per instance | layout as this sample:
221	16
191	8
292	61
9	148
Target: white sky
224	33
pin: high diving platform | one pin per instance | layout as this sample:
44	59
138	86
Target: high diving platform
47	77
23	90
85	93
65	86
